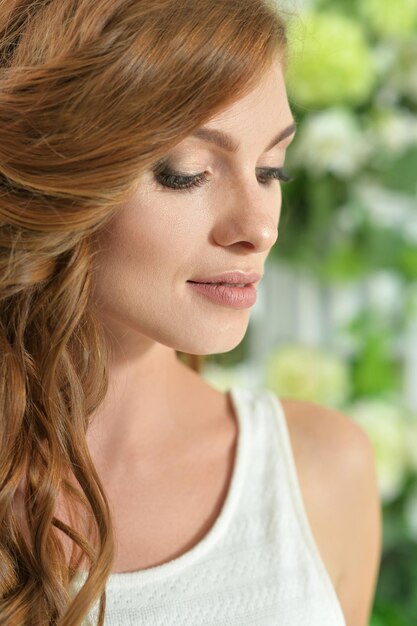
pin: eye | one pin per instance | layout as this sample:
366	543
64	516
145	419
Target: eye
177	180
273	173
166	177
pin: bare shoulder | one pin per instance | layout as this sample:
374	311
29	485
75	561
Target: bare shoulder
337	474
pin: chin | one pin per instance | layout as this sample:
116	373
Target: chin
219	345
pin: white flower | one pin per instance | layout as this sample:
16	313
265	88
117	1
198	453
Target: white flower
385	426
385	54
331	141
348	218
395	130
386	208
385	291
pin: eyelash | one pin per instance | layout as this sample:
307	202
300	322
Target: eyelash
177	181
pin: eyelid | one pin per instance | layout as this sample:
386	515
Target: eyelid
278	172
172	180
163	167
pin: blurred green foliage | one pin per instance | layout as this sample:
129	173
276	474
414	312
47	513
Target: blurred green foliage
351	213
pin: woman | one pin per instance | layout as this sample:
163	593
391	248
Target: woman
142	152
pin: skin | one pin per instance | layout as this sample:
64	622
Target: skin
160	239
161	424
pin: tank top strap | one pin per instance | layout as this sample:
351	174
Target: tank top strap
272	453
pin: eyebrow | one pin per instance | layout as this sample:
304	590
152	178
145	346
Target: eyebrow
226	141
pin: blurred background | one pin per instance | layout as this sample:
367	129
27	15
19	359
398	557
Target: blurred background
336	317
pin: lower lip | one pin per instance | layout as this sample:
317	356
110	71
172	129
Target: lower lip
236	297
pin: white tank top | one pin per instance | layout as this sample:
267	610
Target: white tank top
258	565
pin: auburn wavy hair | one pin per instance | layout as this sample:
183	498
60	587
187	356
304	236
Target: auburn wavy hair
92	93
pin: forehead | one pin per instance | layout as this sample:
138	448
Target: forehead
266	102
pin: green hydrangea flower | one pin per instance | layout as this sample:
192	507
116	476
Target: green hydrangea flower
390	17
308	373
329	61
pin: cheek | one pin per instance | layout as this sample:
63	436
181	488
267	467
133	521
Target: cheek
154	238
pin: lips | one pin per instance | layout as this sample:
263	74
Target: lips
218	283
233	278
235	296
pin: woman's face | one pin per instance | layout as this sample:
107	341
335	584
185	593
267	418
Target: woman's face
164	236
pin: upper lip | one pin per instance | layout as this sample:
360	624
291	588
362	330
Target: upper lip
230	277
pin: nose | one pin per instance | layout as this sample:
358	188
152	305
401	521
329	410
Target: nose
249	215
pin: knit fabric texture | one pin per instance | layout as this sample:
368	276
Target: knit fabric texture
258	565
